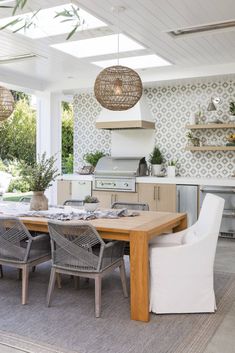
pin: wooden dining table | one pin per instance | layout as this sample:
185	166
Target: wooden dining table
138	231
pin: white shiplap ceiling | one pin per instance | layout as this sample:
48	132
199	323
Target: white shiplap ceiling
147	22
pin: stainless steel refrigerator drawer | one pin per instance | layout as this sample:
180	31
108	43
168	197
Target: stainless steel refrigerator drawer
187	201
227	193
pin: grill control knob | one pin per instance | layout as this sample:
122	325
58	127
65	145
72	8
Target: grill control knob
114	184
126	184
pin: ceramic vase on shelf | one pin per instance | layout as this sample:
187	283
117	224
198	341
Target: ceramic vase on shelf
156	169
171	171
39	201
192	119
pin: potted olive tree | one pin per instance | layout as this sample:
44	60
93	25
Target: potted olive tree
156	160
40	176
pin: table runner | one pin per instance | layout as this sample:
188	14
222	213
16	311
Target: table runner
63	214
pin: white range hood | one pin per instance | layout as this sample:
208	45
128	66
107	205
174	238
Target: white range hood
138	117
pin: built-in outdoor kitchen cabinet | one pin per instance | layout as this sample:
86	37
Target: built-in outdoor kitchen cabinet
72	189
107	198
159	197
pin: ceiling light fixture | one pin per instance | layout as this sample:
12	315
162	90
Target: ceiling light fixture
6	103
136	62
118	87
204	28
21	57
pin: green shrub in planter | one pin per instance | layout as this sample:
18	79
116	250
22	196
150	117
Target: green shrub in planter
92	158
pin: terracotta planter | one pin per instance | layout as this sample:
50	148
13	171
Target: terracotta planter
39	201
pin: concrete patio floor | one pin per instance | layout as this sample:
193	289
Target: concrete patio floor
223	340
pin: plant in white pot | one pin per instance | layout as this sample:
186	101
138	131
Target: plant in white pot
39	176
156	160
171	167
91	203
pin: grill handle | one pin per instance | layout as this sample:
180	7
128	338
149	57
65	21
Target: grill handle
218	191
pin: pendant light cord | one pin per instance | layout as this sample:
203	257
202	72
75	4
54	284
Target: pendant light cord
118	39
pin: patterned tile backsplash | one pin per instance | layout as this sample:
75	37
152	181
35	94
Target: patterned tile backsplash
171	107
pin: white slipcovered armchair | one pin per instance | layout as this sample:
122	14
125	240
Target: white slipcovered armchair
181	264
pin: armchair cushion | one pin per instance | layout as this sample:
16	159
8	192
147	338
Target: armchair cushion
189	237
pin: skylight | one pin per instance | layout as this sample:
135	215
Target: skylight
135	62
98	46
45	25
4	2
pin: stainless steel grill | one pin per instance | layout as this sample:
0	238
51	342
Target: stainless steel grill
114	173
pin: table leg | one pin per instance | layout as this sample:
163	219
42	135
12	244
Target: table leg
139	276
183	225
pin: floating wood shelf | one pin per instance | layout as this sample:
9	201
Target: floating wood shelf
210	148
211	126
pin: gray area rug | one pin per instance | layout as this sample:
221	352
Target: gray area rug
69	324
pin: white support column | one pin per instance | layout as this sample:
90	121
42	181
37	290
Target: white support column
49	131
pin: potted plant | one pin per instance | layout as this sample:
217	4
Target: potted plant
171	168
91	203
39	176
93	157
156	160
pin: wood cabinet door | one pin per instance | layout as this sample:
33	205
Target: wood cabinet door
159	197
147	194
107	198
166	197
64	191
80	189
104	197
125	197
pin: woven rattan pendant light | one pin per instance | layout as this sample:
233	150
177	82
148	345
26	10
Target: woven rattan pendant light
6	103
118	87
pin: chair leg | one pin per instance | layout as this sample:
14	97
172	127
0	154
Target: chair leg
98	281
19	274
1	272
25	284
123	279
33	268
58	280
76	282
51	285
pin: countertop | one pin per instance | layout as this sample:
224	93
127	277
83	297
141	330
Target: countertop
162	180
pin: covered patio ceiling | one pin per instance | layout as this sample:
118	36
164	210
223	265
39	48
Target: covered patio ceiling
147	23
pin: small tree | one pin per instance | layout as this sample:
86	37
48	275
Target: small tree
18	134
67	138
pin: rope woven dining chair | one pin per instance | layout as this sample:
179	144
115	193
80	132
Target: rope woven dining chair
20	250
131	206
74	203
78	250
